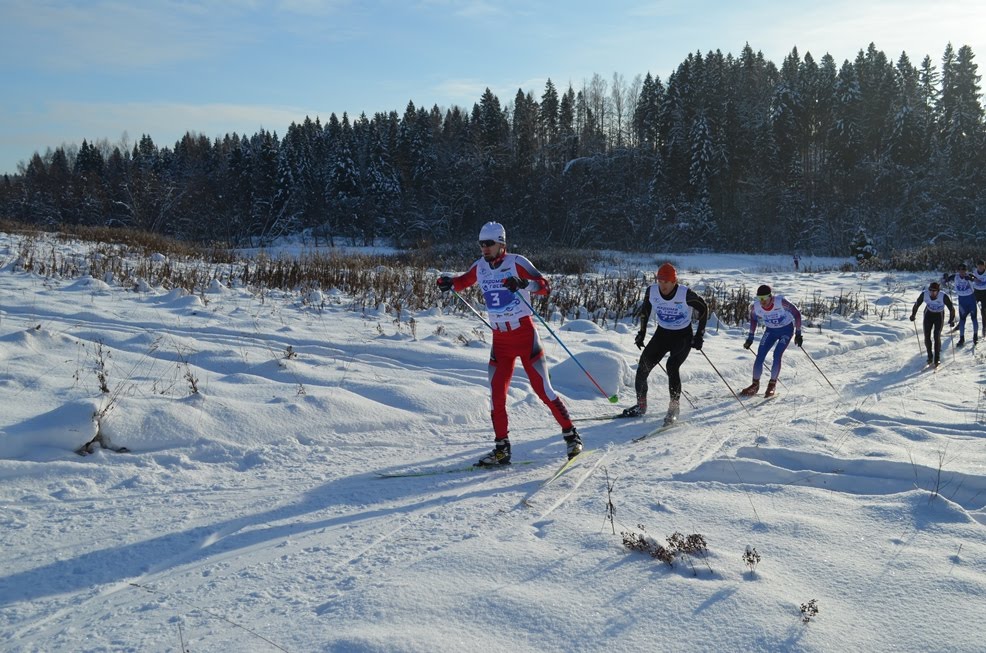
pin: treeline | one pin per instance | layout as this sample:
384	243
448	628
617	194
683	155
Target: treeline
729	153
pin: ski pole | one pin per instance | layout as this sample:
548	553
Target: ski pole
612	398
726	382
820	371
475	312
920	349
683	393
952	328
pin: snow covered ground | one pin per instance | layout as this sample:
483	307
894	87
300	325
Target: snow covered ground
249	514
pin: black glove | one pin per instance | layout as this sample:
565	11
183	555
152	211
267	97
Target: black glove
912	317
697	341
748	343
514	284
951	322
639	340
445	283
798	339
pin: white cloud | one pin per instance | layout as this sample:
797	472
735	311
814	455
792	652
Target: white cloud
463	92
108	35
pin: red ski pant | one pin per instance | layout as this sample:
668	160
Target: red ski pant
508	346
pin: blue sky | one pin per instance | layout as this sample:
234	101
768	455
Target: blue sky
114	70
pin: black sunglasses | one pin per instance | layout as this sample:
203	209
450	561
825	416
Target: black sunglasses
487	243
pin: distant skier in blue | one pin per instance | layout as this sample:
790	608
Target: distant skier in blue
781	320
963	282
935	302
979	288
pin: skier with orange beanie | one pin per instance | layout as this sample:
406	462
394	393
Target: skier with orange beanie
672	305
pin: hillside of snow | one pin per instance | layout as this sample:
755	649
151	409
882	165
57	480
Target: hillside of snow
249	513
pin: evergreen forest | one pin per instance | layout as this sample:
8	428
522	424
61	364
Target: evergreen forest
729	153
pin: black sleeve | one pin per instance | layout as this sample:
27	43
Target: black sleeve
698	303
950	306
914	311
644	311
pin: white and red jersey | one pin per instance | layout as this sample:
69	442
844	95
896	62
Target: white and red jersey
779	313
505	309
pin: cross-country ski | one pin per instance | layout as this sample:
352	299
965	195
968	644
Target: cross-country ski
459	469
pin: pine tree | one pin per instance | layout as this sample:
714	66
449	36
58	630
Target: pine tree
265	150
568	137
647	113
877	88
548	116
492	125
960	111
88	185
525	128
846	137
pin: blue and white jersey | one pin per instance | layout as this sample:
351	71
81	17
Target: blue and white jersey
502	305
672	314
963	285
780	314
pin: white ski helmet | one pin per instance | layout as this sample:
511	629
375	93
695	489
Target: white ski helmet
493	231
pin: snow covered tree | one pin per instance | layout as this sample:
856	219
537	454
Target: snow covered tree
960	112
265	154
342	186
863	247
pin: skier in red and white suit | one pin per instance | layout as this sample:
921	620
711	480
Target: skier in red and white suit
502	277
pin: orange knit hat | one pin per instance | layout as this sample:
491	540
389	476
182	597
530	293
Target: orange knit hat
667	273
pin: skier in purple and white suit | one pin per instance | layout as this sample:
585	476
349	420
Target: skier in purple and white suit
781	320
965	290
979	288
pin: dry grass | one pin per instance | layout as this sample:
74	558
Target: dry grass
396	282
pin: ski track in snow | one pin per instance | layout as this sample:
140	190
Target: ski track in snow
257	499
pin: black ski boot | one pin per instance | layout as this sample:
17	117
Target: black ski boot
636	411
499	456
573	443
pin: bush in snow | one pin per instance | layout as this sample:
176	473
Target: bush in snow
679	546
751	558
809	610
